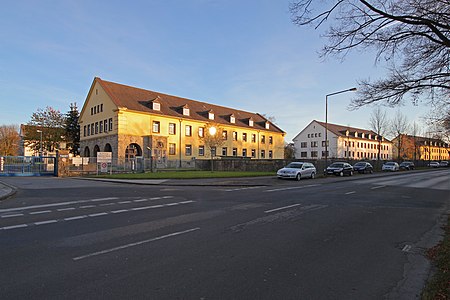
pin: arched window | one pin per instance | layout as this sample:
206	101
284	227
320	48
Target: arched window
108	148
96	149
87	153
132	151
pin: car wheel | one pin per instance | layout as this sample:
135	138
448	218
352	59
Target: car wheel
313	175
341	174
298	177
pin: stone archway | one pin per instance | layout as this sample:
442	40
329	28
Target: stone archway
87	152
96	149
132	151
108	147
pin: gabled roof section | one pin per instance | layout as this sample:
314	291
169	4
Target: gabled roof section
137	99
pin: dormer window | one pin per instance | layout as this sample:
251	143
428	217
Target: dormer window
211	115
346	133
362	135
356	134
186	111
250	122
267	125
156	106
232	119
370	136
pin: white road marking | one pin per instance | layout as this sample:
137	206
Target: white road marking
377	187
75	218
292	188
106	204
98	214
280	208
349	193
64	209
45	222
134	244
186	202
244	188
56	204
119	211
87	206
124	202
40	212
14	226
407	248
12	216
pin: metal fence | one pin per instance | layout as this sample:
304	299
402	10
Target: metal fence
28	166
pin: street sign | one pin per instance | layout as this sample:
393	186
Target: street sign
104	167
104	157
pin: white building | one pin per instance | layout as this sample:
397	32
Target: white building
343	142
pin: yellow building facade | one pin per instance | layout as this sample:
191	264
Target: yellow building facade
132	122
420	148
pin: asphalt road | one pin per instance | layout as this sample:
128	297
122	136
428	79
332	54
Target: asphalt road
360	237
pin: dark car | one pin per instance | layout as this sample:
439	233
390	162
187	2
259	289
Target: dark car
339	169
407	165
363	167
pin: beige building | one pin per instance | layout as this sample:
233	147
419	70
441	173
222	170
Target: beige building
343	142
132	122
408	147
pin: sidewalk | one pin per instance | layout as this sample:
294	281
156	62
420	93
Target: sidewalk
6	190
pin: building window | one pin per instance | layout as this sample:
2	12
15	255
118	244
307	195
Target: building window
267	125
95	110
250	123
253	153
244	137
303	154
323	153
101	107
234	151
201	132
224	151
96	127
224	134
263	139
156	106
100	129
110	124
172	128
89	130
270	140
263	153
92	128
188	150
105	126
201	150
244	152
188	130
253	138
303	144
323	143
314	144
84	130
313	153
235	136
270	154
156	126
232	119
185	111
92	111
308	135
213	151
211	115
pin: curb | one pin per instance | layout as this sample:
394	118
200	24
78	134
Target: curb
6	190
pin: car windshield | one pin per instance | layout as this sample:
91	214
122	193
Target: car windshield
390	163
294	165
337	165
360	164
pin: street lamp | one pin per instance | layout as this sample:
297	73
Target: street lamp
326	121
212	132
40	144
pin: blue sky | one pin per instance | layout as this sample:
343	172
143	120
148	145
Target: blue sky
242	54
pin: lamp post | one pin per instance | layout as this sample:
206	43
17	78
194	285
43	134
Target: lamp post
326	121
40	144
212	132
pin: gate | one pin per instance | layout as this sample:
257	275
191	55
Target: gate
28	166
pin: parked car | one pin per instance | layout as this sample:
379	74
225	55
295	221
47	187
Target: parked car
297	170
339	169
433	164
407	165
390	166
443	164
363	167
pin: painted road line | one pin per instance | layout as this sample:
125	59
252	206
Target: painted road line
106	204
45	222
119	211
14	226
291	188
349	193
12	216
40	212
75	218
242	189
377	187
56	204
88	206
407	248
98	214
65	209
280	208
186	202
134	244
124	202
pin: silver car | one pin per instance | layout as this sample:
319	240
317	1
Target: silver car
390	166
297	170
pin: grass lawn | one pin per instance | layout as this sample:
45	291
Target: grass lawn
186	175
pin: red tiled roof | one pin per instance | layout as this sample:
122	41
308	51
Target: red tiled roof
141	100
340	130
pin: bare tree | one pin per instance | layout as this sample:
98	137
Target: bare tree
399	127
412	37
9	140
415	131
379	124
213	139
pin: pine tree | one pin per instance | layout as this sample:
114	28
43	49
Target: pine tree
73	129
